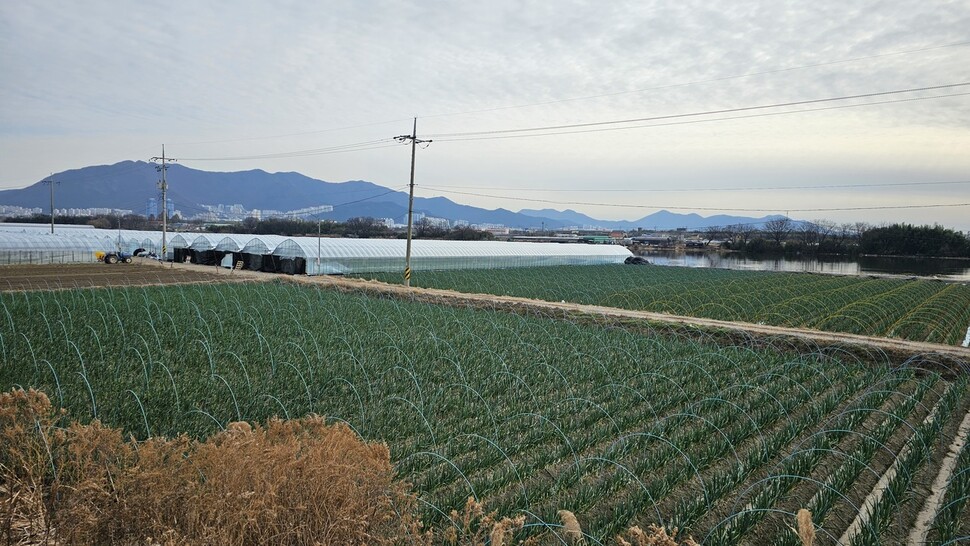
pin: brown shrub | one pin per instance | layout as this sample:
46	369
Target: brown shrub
291	482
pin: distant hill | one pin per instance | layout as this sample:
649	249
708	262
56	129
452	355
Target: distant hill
129	185
660	220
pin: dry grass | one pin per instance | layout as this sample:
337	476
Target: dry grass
571	528
295	482
290	482
806	530
655	535
475	527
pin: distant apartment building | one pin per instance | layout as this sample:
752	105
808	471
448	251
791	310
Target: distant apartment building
7	211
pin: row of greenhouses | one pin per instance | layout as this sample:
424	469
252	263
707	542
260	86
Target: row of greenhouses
20	243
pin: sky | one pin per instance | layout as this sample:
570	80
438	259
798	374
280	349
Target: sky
322	88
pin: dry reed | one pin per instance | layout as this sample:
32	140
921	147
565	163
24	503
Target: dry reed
288	482
806	530
655	535
475	527
571	528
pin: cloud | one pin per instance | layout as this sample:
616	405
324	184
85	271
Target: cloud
112	79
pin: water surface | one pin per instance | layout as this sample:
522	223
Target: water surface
944	268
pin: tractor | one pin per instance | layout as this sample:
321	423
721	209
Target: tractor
113	257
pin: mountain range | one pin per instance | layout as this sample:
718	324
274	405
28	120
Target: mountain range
129	185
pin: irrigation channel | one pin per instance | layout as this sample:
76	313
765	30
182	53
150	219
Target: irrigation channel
620	416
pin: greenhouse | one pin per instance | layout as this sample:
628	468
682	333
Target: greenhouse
26	228
296	255
44	248
314	256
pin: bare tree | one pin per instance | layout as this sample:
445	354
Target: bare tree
713	232
778	229
809	233
743	232
860	228
826	229
841	234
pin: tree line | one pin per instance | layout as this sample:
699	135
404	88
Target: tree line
784	235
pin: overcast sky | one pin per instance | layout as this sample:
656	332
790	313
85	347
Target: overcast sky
97	82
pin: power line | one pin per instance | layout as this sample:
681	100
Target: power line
716	209
590	97
717	189
355	147
696	82
696	114
303	133
393	190
600	126
693	121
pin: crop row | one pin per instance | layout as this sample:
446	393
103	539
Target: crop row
531	415
918	310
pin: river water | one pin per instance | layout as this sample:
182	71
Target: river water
942	268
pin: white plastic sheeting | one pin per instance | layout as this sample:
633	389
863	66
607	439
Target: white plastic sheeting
263	244
232	242
23	227
44	248
297	254
339	256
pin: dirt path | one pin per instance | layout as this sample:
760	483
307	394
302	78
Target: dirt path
898	351
921	529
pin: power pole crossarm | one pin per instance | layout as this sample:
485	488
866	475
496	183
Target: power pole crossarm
413	137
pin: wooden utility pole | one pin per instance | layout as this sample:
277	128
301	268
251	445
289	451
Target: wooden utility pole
413	137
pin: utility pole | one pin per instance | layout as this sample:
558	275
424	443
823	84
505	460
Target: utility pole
413	137
163	185
50	181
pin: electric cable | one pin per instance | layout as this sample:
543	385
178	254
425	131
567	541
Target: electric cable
711	189
717	209
443	136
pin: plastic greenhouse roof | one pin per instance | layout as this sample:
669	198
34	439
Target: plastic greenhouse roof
205	241
45	241
336	255
179	240
232	242
306	247
369	255
264	244
23	227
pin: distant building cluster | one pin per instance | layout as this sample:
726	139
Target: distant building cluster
11	211
93	211
237	212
